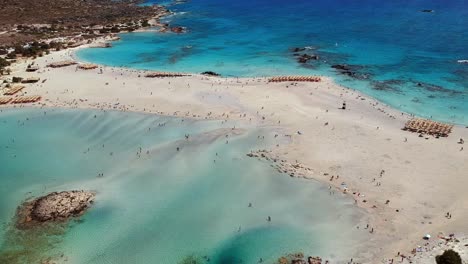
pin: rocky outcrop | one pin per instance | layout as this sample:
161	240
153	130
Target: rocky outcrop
210	73
303	55
304	58
351	71
178	30
434	88
54	207
101	45
341	67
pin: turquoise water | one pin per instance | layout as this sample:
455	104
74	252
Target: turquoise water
163	205
392	45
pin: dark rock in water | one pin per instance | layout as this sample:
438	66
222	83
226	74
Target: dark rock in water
341	67
54	207
387	85
304	58
427	11
435	88
178	30
210	73
351	71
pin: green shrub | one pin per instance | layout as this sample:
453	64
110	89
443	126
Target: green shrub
449	257
11	55
145	23
3	63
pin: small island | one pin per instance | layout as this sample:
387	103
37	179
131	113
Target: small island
54	207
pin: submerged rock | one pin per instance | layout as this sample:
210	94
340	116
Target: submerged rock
304	58
210	73
54	207
351	71
297	49
341	67
434	88
388	85
178	30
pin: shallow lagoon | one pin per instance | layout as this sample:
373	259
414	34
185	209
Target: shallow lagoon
163	205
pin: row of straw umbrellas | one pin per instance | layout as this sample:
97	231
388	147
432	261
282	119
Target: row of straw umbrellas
165	74
295	79
428	127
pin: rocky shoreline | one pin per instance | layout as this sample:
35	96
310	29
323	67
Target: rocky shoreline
42	19
43	27
53	207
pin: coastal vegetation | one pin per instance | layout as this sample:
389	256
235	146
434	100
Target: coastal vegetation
3	64
33	28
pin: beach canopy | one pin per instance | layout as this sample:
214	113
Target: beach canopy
295	79
426	126
60	64
26	99
165	74
13	90
87	66
5	100
31	80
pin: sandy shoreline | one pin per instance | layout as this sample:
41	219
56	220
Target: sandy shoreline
422	178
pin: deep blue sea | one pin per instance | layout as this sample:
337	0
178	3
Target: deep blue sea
397	54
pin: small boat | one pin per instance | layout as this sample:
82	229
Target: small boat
462	61
427	11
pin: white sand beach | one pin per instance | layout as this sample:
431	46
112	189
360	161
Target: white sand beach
406	183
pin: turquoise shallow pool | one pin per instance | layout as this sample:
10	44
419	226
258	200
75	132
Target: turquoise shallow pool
163	205
402	56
